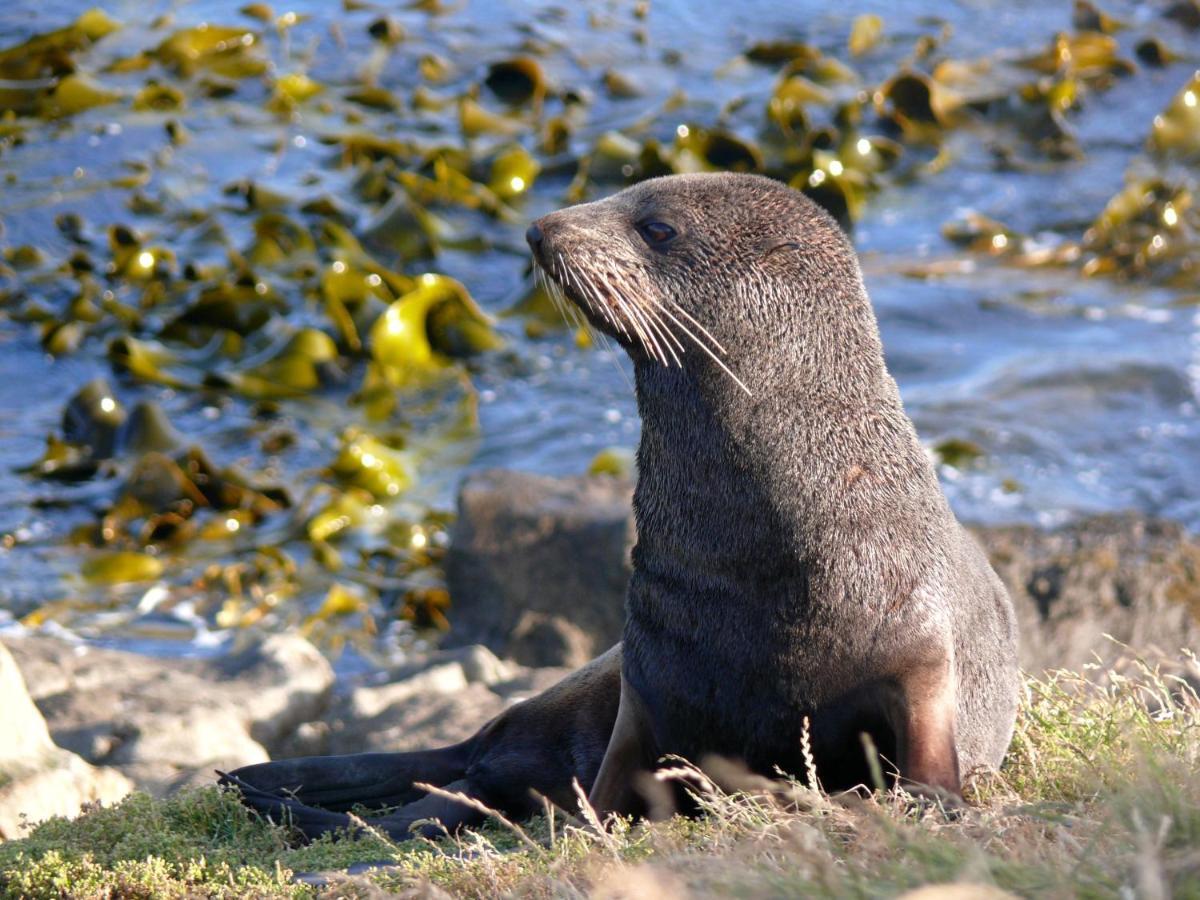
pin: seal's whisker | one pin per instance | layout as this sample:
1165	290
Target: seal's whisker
650	341
656	326
629	315
654	313
706	349
592	295
552	291
716	344
571	310
623	313
589	296
651	313
615	357
581	286
652	323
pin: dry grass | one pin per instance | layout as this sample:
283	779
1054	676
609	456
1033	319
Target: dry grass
1099	796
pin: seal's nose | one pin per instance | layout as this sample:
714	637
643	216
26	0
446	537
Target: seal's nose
534	235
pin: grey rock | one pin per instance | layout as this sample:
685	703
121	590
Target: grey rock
155	720
24	737
60	787
279	682
443	678
38	779
415	721
537	566
1085	589
165	723
438	698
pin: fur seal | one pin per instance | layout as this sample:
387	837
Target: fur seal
798	571
796	558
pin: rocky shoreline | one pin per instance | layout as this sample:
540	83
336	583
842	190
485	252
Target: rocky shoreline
536	570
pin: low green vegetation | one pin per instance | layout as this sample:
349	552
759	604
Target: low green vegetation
1098	797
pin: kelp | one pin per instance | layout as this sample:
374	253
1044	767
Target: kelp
1175	132
423	330
304	364
160	98
366	462
513	172
51	54
222	50
519	81
865	32
121	567
1150	228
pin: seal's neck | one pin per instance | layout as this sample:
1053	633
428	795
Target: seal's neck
728	480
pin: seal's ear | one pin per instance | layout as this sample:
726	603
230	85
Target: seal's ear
775	250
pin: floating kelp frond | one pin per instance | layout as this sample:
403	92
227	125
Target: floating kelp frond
50	54
865	32
301	365
74	94
424	328
224	50
1175	133
1088	56
982	234
475	120
159	97
1086	16
702	149
366	462
918	103
513	172
518	81
121	567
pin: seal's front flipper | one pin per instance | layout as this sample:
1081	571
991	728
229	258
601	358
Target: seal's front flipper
927	751
630	755
371	780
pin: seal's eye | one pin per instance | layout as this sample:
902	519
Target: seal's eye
656	233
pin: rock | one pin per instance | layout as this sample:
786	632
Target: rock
167	723
529	682
446	678
26	739
60	788
38	779
280	681
958	891
310	739
537	566
1133	578
439	698
473	663
415	722
537	571
481	665
154	719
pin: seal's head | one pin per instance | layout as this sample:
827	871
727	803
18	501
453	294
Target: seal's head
736	276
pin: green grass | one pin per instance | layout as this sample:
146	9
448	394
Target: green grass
1099	797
